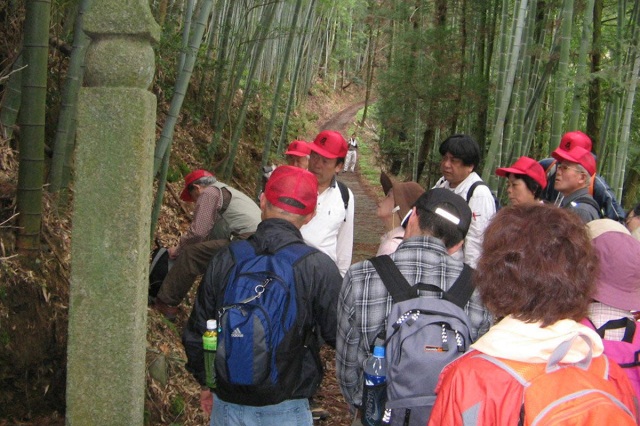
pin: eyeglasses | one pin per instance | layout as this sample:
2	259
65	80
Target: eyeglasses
564	167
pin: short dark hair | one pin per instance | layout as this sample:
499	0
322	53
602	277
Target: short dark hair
537	264
463	147
439	227
532	185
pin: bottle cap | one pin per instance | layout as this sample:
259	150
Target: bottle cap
378	351
212	324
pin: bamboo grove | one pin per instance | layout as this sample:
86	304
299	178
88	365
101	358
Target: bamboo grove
514	74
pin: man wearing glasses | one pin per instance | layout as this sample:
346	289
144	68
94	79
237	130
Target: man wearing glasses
576	168
599	189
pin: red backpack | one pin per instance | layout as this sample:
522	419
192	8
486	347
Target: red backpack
578	394
625	352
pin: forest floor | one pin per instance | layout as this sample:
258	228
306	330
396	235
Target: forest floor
174	399
34	306
368	229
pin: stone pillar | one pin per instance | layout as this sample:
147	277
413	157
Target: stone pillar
112	210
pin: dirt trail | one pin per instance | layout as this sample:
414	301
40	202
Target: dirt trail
367	231
368	228
342	119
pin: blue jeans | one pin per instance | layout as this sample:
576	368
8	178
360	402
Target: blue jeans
294	412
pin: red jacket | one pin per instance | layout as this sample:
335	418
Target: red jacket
474	391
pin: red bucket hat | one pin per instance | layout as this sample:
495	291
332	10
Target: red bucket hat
292	189
189	179
298	149
573	139
525	166
578	155
329	144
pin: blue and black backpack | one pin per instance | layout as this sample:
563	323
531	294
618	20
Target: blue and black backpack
261	337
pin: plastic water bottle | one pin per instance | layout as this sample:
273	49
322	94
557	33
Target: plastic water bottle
374	391
210	345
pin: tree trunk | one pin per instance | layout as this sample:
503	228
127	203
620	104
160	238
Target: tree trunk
557	123
186	29
373	43
12	97
163	147
256	53
496	137
594	109
65	132
284	59
32	122
582	71
219	78
166	138
294	79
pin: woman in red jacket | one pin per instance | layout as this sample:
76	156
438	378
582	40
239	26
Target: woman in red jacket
537	275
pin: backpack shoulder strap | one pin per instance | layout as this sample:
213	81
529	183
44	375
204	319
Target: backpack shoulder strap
462	289
551	168
241	250
472	188
396	284
590	201
244	250
628	324
344	192
459	293
295	251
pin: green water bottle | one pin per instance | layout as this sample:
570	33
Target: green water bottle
210	345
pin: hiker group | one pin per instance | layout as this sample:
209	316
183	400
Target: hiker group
486	315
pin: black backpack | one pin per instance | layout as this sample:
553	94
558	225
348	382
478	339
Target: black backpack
158	270
423	335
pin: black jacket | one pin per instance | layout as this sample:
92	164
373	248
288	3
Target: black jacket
318	283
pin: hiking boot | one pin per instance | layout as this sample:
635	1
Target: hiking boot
317	411
169	312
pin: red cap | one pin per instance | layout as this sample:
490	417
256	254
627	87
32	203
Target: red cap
573	139
298	149
525	166
329	144
577	155
292	189
188	180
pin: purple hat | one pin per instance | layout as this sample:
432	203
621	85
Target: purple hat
618	282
